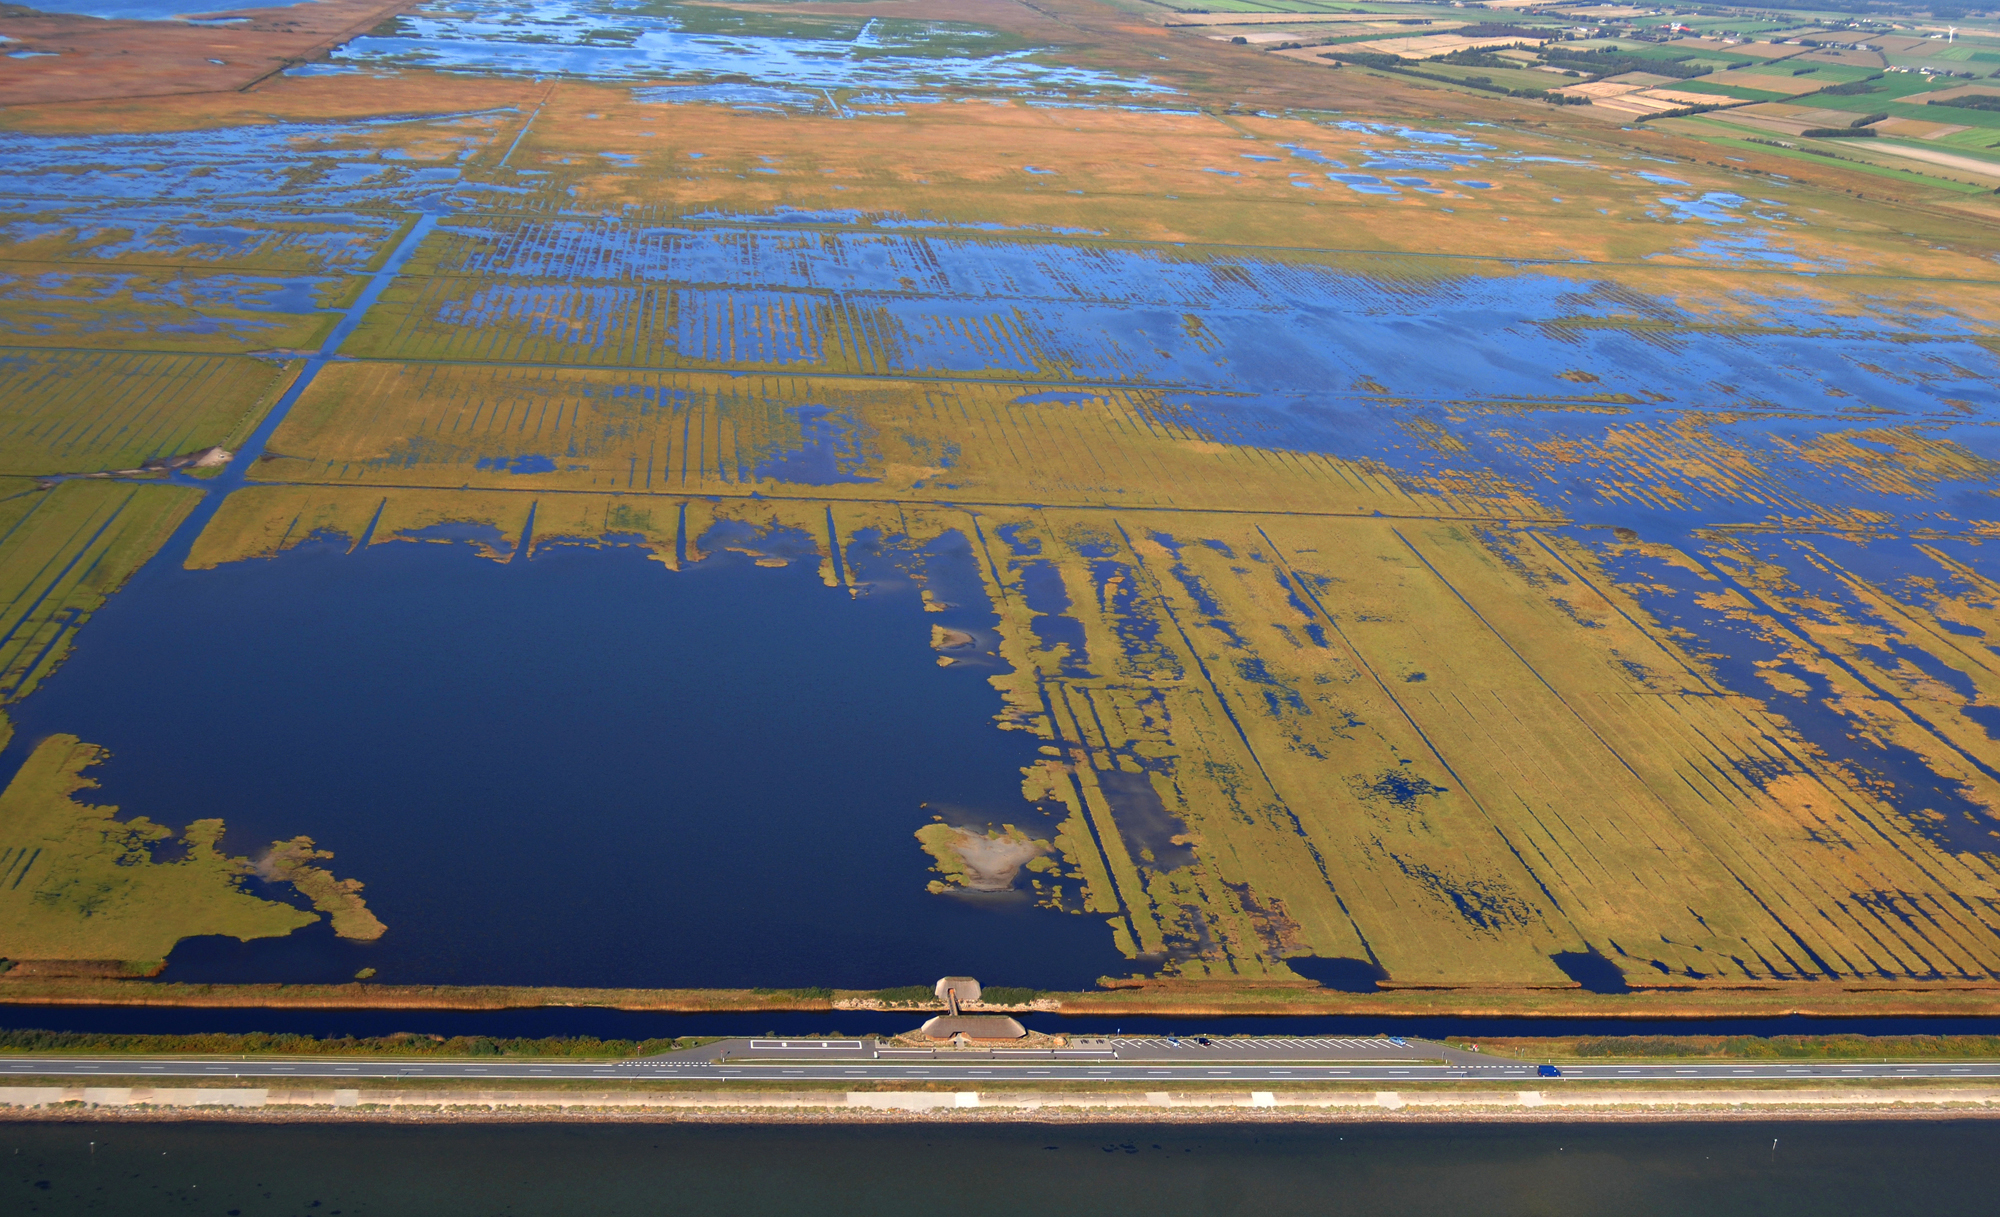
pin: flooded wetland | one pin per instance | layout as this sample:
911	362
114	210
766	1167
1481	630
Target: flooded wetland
827	496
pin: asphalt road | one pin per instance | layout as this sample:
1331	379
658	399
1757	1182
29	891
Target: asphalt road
1108	1060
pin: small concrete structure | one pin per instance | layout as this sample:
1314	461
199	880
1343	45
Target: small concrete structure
952	1025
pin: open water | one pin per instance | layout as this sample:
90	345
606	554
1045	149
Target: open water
1766	1167
579	768
606	1024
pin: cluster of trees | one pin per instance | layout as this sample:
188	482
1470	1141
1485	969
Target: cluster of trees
1971	101
1489	29
1475	58
1414	67
1859	127
1608	62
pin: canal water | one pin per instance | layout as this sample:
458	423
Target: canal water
1766	1167
604	1024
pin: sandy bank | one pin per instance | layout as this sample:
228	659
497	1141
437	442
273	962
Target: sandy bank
400	1104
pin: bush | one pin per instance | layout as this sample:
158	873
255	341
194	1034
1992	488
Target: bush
1836	132
1008	995
906	993
1852	88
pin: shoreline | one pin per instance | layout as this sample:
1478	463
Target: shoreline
411	1106
1154	999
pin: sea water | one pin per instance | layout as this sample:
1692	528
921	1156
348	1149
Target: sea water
1767	1167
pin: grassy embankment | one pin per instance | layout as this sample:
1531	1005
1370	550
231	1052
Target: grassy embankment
1744	1047
1164	999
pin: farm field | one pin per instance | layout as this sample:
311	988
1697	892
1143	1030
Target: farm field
1345	524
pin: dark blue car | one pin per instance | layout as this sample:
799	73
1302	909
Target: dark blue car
1547	1071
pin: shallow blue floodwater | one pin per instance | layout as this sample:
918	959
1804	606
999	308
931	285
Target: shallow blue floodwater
1765	1167
152	10
627	40
577	769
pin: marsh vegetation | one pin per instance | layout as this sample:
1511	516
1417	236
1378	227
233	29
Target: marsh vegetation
1266	512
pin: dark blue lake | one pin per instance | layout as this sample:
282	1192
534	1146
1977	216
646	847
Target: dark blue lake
1766	1167
577	769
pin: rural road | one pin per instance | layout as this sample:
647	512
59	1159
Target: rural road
1106	1060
